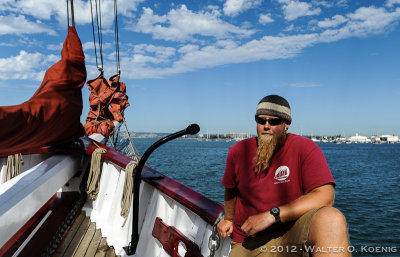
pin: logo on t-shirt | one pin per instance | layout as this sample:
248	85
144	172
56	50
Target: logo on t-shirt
281	174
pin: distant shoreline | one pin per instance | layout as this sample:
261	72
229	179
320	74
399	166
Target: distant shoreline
376	139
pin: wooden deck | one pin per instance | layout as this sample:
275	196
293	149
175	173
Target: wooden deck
84	240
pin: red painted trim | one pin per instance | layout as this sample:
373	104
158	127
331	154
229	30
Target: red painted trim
27	226
111	155
170	238
206	208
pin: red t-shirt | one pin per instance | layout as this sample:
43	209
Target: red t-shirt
297	168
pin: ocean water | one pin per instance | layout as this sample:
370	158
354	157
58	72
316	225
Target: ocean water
367	178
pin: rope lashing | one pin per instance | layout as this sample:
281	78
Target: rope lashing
13	166
92	187
126	199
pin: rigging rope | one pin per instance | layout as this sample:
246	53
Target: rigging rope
92	187
99	34
126	199
116	38
67	14
72	13
134	152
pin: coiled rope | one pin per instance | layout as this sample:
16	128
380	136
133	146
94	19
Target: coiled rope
128	191
92	187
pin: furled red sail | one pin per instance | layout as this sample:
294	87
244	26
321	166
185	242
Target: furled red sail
108	101
52	115
119	101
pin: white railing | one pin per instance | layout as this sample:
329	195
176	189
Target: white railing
22	196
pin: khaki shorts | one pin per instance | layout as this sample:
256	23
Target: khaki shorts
283	240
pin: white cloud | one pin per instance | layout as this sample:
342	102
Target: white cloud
208	42
224	52
294	9
342	3
371	20
289	28
87	46
161	52
7	44
26	66
90	46
192	57
144	60
391	3
334	22
363	22
46	9
13	24
57	47
265	18
234	7
188	48
323	3
183	25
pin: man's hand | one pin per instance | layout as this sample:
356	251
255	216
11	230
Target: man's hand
225	228
257	223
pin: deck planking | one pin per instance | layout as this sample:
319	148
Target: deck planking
83	239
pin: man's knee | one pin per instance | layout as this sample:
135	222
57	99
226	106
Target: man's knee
327	222
328	216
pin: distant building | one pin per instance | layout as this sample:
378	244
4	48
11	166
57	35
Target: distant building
359	139
376	139
389	139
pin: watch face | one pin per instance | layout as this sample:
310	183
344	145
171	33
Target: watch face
274	211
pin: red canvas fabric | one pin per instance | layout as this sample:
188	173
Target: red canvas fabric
52	115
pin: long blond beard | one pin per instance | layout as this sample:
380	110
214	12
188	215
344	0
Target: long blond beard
266	149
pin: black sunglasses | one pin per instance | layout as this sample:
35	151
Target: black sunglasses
272	122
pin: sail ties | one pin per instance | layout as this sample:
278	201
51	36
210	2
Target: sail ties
92	186
126	199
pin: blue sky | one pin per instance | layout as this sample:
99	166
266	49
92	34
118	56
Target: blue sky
210	62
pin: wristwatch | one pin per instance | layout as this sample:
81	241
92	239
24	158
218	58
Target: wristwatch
276	213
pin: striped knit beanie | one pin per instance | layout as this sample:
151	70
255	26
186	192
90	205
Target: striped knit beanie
274	105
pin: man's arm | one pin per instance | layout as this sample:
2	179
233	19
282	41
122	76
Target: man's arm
318	197
225	226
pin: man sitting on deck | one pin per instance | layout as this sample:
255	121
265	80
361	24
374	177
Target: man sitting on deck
279	192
